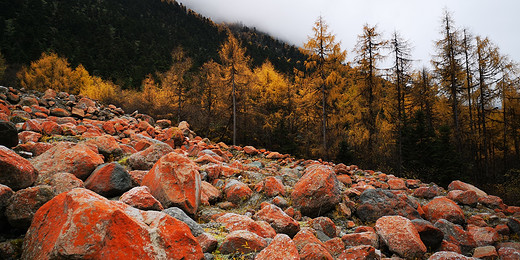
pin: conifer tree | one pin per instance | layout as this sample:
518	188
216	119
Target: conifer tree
449	68
237	73
369	49
323	65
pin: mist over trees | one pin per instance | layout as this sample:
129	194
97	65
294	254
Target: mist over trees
457	119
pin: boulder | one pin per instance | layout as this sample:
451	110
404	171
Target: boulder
323	226
313	251
485	252
483	236
24	203
359	252
271	187
175	181
427	192
8	134
281	248
375	203
447	255
250	150
430	235
280	221
51	128
107	145
369	238
307	236
209	194
83	225
317	191
468	197
335	246
458	185
242	241
109	180
5	194
237	191
29	136
444	208
145	159
234	222
177	213
207	242
62	182
397	184
78	159
141	198
401	237
509	253
17	172
457	235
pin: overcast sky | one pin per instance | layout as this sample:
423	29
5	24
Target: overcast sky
416	20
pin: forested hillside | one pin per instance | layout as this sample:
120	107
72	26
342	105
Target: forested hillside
122	41
456	119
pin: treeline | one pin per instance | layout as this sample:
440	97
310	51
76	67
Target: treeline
457	120
122	40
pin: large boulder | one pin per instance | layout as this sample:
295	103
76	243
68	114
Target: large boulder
234	222
375	203
24	203
458	185
17	172
175	181
8	134
78	159
177	213
444	208
81	224
109	180
237	191
359	252
456	235
317	191
280	221
401	237
281	248
145	159
141	198
242	241
430	235
447	255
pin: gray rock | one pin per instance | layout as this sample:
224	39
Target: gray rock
375	203
179	214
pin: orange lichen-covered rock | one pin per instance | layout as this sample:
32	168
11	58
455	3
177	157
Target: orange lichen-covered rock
362	238
17	172
175	181
83	225
234	222
315	251
209	193
109	180
458	185
141	198
317	191
359	252
271	187
281	248
237	191
78	159
280	221
242	241
444	208
400	235
145	159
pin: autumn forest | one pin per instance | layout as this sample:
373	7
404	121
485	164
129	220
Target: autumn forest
456	118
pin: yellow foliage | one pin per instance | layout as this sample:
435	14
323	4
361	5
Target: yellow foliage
99	89
54	72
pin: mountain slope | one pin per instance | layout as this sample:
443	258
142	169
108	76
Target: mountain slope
122	40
